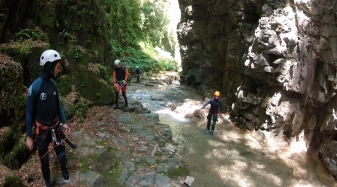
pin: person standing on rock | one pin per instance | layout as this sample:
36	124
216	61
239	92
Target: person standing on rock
119	77
213	111
138	72
44	109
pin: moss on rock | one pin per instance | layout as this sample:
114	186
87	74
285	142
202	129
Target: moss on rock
12	111
64	85
180	171
89	86
13	181
17	156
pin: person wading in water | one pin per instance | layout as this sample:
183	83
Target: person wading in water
213	111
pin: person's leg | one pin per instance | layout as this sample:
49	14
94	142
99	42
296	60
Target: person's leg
61	156
117	95
215	119
137	78
124	95
43	140
209	116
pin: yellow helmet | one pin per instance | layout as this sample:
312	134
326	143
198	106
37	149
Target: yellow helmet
217	93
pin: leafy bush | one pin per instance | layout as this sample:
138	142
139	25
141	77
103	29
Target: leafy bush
12	181
138	29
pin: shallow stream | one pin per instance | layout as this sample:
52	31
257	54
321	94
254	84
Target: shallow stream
231	157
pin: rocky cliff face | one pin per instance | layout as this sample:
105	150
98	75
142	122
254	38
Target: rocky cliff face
274	61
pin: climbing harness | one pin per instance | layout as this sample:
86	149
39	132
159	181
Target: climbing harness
55	130
120	87
121	84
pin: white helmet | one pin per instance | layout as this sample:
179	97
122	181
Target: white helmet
49	56
117	62
137	66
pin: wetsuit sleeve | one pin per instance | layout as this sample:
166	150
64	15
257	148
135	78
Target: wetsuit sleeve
113	76
126	74
61	113
31	100
208	102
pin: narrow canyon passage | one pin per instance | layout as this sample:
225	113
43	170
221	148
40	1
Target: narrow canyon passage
231	157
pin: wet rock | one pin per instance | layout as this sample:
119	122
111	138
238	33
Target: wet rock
200	113
150	160
123	155
164	181
148	180
133	179
170	150
93	179
138	159
106	162
159	153
162	168
166	131
128	168
162	141
152	118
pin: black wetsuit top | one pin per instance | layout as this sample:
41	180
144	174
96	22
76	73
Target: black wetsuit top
215	105
138	71
43	103
120	73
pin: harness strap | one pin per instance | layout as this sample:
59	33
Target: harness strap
39	127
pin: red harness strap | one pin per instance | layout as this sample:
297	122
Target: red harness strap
39	127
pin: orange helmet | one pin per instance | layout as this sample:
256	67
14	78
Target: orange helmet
217	93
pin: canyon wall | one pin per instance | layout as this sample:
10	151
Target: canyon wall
274	63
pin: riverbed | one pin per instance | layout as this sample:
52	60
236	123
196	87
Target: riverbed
231	157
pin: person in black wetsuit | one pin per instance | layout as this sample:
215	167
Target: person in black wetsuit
213	111
138	72
45	111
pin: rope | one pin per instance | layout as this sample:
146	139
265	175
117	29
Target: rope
63	141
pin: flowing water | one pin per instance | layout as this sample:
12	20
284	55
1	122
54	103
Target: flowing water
231	157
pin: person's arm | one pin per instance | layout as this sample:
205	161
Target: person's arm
126	74
114	76
208	102
31	100
63	118
61	113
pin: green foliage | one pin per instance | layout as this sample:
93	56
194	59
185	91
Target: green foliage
81	109
138	28
17	156
103	72
77	52
64	85
9	134
24	46
28	33
64	34
13	181
112	179
92	158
